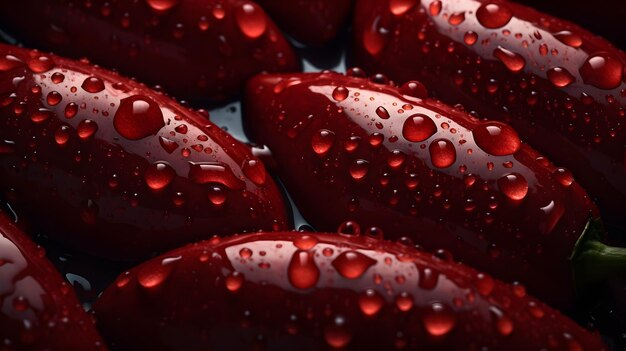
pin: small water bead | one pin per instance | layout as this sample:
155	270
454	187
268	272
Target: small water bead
370	302
41	64
53	98
218	12
138	117
57	78
414	89
484	284
234	281
435	8
376	139
302	271
568	38
497	139
513	61
340	93
162	5
251	20
442	153
305	242
182	129
86	129
400	7
203	23
151	277
493	16
404	302
514	186
93	85
602	71
470	38
439	319
352	264
62	135
358	169
336	335
396	159
216	195
159	175
255	171
560	77
418	128
41	115
71	110
564	176
349	228
322	141
456	18
382	112
214	172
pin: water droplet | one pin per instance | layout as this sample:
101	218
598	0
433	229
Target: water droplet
53	98
470	38
435	8
138	117
414	89
41	115
340	93
152	276
400	7
168	145
370	302
560	77
456	18
336	335
62	135
550	216
418	127
514	62
162	5
86	129
302	271
375	38
71	110
358	169
41	64
439	319
255	171
93	85
322	141
497	139
442	153
404	302
10	62
568	38
352	264
251	19
216	195
564	176
396	159
349	228
305	242
382	112
214	172
234	281
514	186
504	324
159	175
484	284
493	15
602	71
20	304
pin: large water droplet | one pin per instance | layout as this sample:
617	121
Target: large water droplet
514	62
340	93
358	169
138	117
375	38
370	302
442	153
302	271
560	77
252	20
86	129
418	127
602	71
322	141
10	62
497	138
305	242
53	98
568	38
414	89
159	175
514	186
352	264
62	135
564	176
214	172
382	112
439	319
162	5
41	64
336	335
93	85
234	281
493	15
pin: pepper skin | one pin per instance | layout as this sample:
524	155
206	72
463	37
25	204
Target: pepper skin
38	310
310	22
195	49
113	168
562	88
349	149
313	292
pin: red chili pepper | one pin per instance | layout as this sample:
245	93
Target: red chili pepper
561	87
352	150
38	310
195	49
116	169
300	291
310	22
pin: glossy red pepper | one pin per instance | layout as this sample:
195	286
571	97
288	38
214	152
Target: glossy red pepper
194	49
561	87
349	149
312	22
116	169
601	16
38	309
288	291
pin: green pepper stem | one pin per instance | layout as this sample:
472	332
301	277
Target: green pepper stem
594	261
